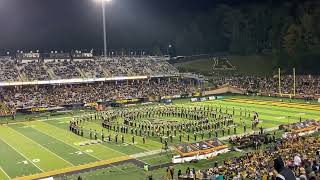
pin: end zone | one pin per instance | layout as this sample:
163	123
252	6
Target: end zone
75	168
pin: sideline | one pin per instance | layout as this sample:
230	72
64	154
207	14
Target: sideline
5	173
76	169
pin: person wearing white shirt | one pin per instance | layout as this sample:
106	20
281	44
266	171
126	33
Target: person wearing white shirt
297	160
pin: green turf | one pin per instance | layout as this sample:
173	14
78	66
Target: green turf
98	151
162	158
151	145
126	171
127	149
13	163
4	175
60	148
47	145
41	157
136	173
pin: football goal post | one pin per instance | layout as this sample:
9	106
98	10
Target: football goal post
289	94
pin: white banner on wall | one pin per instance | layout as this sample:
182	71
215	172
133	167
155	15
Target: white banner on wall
194	99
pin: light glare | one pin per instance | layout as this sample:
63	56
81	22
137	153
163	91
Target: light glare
106	1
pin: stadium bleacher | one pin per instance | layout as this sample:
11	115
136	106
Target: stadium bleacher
8	71
55	95
61	66
12	69
36	69
306	85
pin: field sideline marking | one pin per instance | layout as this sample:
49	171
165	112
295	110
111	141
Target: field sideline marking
108	147
69	144
252	106
97	144
5	172
93	155
276	103
77	148
74	168
42	147
82	150
117	168
136	145
39	120
23	155
295	111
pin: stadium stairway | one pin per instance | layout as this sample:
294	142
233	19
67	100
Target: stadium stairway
129	72
148	70
83	74
50	72
22	76
105	72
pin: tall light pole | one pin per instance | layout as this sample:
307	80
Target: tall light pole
104	26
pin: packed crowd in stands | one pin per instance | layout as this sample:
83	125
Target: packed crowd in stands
33	70
30	70
99	67
63	69
17	70
295	158
8	71
54	95
305	84
251	140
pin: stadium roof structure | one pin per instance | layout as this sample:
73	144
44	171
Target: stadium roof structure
222	63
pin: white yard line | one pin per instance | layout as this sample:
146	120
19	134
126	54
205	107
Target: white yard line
299	114
22	155
117	168
266	130
74	147
44	148
82	151
5	173
136	145
40	120
70	145
114	150
109	148
133	144
143	154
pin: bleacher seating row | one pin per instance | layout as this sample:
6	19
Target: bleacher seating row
32	70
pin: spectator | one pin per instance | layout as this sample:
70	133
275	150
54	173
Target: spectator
284	173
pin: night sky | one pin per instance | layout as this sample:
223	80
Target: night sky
72	24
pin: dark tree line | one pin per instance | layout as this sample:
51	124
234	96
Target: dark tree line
288	30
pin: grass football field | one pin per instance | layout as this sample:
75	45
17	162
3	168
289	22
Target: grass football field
45	147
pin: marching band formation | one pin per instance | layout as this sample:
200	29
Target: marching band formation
189	122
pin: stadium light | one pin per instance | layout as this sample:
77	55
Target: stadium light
103	2
99	1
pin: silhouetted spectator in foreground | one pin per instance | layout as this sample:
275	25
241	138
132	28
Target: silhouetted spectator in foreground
284	172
